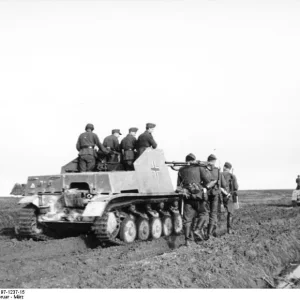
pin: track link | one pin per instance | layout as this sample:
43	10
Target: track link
28	226
101	233
100	230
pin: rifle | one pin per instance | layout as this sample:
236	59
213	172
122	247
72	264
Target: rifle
224	192
235	198
173	164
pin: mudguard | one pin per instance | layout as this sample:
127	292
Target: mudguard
34	199
56	202
96	207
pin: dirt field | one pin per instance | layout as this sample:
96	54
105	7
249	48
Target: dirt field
266	241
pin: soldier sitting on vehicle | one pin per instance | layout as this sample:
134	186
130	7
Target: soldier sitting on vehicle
85	145
128	149
146	139
111	143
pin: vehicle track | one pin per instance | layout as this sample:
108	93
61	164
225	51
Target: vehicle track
266	239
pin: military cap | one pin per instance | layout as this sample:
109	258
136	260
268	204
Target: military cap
228	165
211	157
150	125
116	131
133	129
190	156
89	126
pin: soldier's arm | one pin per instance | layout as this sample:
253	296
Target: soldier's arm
99	145
152	142
122	145
224	183
117	145
78	144
134	144
235	183
105	142
179	179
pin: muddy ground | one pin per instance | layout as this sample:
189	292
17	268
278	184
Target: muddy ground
266	241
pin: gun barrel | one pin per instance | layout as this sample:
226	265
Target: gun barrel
180	163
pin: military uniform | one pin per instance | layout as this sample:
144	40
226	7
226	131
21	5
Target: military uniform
232	187
85	145
146	140
194	204
210	174
128	148
111	142
298	183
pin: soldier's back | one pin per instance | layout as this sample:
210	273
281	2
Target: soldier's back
189	174
128	142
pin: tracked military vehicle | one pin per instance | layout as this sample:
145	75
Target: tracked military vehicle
114	206
296	198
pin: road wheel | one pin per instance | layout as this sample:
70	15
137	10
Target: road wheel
167	225
143	229
28	224
113	225
128	230
155	228
177	223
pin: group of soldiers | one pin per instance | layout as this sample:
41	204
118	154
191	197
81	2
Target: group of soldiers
112	151
204	187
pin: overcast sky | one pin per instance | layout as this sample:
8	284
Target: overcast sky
218	75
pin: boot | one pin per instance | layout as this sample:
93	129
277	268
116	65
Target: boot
192	236
229	223
187	233
199	229
209	231
214	231
187	243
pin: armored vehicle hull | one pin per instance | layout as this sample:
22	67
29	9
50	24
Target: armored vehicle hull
116	207
296	198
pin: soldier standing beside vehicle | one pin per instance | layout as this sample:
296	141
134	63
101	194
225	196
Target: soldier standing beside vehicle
146	140
112	144
213	181
298	182
85	145
232	187
128	149
188	183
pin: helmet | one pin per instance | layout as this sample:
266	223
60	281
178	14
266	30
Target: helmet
89	126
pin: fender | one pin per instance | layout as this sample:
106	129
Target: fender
53	201
97	206
30	200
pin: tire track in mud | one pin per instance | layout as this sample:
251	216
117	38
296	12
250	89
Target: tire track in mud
266	239
61	262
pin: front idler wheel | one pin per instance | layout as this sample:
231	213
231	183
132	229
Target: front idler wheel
143	229
156	228
128	231
113	225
